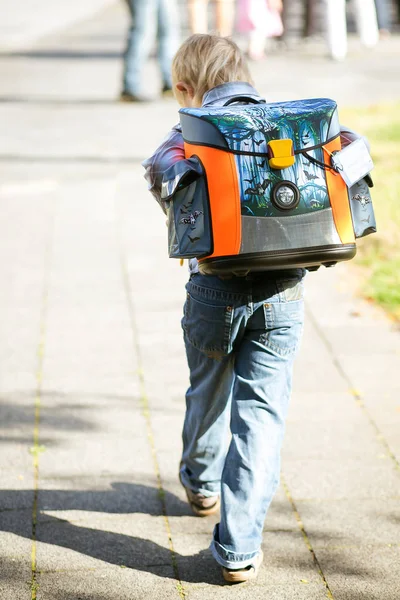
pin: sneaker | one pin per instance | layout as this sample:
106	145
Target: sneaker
201	505
128	97
242	575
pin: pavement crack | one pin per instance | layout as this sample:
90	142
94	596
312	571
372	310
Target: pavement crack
36	449
355	394
306	538
146	411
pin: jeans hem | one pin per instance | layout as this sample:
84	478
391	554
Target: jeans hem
231	560
185	481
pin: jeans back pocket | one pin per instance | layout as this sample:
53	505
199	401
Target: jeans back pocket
208	327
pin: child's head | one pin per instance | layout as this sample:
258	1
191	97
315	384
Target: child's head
204	61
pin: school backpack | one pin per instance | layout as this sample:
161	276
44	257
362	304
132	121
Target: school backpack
259	189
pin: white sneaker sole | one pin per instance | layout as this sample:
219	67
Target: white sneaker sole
242	575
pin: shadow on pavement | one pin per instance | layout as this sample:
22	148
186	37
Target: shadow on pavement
114	548
142	554
122	498
14	572
18	418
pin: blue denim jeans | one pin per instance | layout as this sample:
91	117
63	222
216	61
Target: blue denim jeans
151	20
383	13
241	336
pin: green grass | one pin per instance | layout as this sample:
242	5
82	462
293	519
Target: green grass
379	254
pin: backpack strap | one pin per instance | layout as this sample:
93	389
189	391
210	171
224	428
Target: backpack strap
314	161
247	99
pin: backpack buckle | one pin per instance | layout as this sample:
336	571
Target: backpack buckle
280	154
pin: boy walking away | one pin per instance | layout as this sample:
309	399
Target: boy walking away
241	335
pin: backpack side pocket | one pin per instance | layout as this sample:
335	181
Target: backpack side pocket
185	196
362	210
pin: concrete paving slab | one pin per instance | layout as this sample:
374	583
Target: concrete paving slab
346	479
280	516
167	430
16	455
16	531
88	412
182	521
304	591
323	405
362	338
389	436
88	384
350	523
384	405
353	574
54	420
117	583
287	560
17	383
314	366
96	420
73	399
371	379
16	491
308	375
135	541
15	582
26	222
16	425
332	440
15	552
20	29
125	496
339	303
100	454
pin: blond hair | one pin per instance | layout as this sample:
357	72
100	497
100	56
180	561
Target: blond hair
204	61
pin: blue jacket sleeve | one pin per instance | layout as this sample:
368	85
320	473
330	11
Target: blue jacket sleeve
168	153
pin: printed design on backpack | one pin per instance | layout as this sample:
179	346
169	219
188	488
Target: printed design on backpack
191	218
363	200
362	211
307	124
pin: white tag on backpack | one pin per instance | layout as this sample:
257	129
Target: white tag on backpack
353	162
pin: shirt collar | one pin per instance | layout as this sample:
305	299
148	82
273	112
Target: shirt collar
221	93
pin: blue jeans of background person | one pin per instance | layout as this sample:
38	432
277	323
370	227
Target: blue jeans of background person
151	20
241	336
383	13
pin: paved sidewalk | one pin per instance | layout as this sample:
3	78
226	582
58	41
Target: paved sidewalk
92	367
21	26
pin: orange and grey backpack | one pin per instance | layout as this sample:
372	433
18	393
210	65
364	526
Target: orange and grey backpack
259	190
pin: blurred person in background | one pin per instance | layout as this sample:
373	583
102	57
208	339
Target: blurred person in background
224	16
366	23
151	20
259	20
383	13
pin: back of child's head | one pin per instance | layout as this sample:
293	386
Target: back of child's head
204	61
